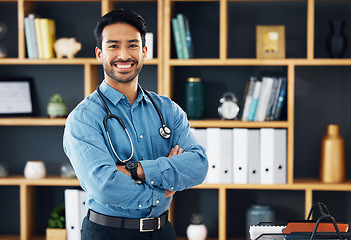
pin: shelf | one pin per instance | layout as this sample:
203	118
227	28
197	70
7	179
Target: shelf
259	62
215	123
299	184
47	181
32	121
64	61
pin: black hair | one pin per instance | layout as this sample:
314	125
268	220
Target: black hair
120	16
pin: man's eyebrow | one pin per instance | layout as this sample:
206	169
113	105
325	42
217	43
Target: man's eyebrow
129	41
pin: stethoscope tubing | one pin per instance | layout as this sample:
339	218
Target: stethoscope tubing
164	131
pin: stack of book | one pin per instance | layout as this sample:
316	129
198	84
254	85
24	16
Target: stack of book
264	99
40	34
244	156
182	37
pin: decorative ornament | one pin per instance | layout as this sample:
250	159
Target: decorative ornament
66	47
196	230
57	107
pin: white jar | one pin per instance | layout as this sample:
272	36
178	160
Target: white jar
196	232
34	169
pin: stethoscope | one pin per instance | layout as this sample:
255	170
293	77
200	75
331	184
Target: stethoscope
164	131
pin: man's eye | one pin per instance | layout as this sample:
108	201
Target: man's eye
134	46
113	46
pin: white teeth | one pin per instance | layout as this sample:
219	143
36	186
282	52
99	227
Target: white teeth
124	66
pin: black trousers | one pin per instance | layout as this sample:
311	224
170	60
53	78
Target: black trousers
93	231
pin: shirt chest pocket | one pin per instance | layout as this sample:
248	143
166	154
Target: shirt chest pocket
160	146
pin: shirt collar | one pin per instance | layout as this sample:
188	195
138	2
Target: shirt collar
115	96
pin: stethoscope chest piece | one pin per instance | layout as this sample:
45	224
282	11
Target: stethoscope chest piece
165	132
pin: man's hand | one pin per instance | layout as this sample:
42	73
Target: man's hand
174	151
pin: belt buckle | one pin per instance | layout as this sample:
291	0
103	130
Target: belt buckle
149	230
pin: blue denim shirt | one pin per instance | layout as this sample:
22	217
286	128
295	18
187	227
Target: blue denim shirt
113	193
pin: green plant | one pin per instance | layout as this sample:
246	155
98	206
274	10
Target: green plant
57	98
57	217
196	219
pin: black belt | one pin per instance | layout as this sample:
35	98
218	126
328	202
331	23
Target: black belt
142	224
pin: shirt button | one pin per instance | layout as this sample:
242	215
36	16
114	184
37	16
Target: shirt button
140	206
152	182
141	136
172	188
123	97
157	201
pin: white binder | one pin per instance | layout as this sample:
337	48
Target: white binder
240	155
273	156
254	156
75	211
226	168
213	137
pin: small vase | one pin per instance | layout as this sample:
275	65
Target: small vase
336	41
258	213
34	170
196	232
333	165
194	98
55	110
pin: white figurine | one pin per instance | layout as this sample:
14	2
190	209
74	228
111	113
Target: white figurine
66	47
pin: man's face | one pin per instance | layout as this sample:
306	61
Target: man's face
121	54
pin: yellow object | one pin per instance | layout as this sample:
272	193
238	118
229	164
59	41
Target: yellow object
332	168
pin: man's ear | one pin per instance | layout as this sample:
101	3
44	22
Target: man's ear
144	52
98	54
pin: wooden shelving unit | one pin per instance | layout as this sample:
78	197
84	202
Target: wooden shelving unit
165	65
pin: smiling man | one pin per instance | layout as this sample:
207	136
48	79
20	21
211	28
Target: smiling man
131	149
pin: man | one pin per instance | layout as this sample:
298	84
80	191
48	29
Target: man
128	165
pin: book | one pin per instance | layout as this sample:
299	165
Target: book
31	40
248	95
188	38
274	97
181	24
39	35
266	89
255	96
277	109
48	37
177	39
309	227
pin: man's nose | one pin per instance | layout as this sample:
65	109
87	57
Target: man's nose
124	53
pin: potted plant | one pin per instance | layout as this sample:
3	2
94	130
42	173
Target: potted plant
57	107
196	230
56	229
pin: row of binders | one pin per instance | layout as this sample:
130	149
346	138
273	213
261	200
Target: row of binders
264	99
182	37
40	34
244	156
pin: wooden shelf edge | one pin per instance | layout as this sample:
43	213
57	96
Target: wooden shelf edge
32	121
216	123
17	180
259	62
64	61
299	184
